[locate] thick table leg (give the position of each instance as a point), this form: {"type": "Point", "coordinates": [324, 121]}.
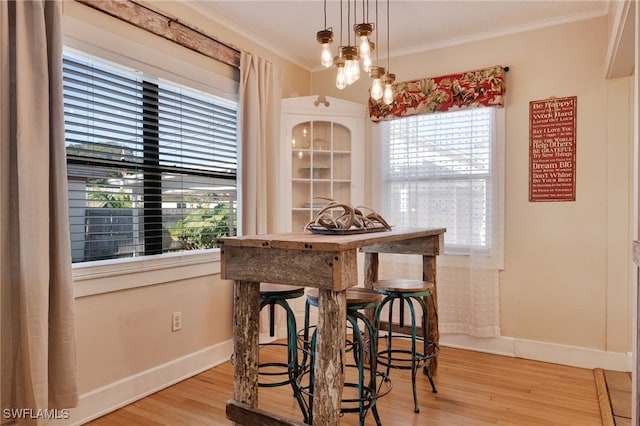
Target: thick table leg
{"type": "Point", "coordinates": [246, 309]}
{"type": "Point", "coordinates": [329, 364]}
{"type": "Point", "coordinates": [433, 334]}
{"type": "Point", "coordinates": [371, 264]}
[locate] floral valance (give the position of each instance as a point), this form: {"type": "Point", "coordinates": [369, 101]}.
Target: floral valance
{"type": "Point", "coordinates": [470, 89]}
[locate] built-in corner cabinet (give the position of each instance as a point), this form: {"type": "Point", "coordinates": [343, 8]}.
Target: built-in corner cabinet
{"type": "Point", "coordinates": [324, 156]}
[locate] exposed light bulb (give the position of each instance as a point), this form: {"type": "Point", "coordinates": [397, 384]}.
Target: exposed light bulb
{"type": "Point", "coordinates": [341, 81]}
{"type": "Point", "coordinates": [376, 89]}
{"type": "Point", "coordinates": [367, 60]}
{"type": "Point", "coordinates": [365, 49]}
{"type": "Point", "coordinates": [366, 63]}
{"type": "Point", "coordinates": [376, 73]}
{"type": "Point", "coordinates": [362, 32]}
{"type": "Point", "coordinates": [293, 141]}
{"type": "Point", "coordinates": [340, 64]}
{"type": "Point", "coordinates": [351, 63]}
{"type": "Point", "coordinates": [388, 94]}
{"type": "Point", "coordinates": [388, 88]}
{"type": "Point", "coordinates": [300, 155]}
{"type": "Point", "coordinates": [325, 37]}
{"type": "Point", "coordinates": [352, 71]}
{"type": "Point", "coordinates": [326, 59]}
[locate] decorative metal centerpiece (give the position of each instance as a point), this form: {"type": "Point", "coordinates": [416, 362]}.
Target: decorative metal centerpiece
{"type": "Point", "coordinates": [337, 218]}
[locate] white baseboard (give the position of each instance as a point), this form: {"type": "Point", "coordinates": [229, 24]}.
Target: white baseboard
{"type": "Point", "coordinates": [101, 401]}
{"type": "Point", "coordinates": [542, 351]}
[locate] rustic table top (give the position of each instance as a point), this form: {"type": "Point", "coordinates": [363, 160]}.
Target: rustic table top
{"type": "Point", "coordinates": [321, 242]}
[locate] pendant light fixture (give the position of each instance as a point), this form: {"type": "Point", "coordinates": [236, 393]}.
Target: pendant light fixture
{"type": "Point", "coordinates": [363, 31]}
{"type": "Point", "coordinates": [367, 62]}
{"type": "Point", "coordinates": [325, 38]}
{"type": "Point", "coordinates": [376, 72]}
{"type": "Point", "coordinates": [351, 64]}
{"type": "Point", "coordinates": [341, 79]}
{"type": "Point", "coordinates": [350, 53]}
{"type": "Point", "coordinates": [351, 57]}
{"type": "Point", "coordinates": [390, 78]}
{"type": "Point", "coordinates": [339, 60]}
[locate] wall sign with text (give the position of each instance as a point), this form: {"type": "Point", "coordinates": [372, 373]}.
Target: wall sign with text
{"type": "Point", "coordinates": [552, 149]}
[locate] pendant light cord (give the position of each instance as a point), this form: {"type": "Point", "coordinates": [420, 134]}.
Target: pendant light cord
{"type": "Point", "coordinates": [377, 44]}
{"type": "Point", "coordinates": [325, 14]}
{"type": "Point", "coordinates": [388, 32]}
{"type": "Point", "coordinates": [341, 25]}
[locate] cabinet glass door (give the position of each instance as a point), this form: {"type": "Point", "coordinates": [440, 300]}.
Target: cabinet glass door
{"type": "Point", "coordinates": [320, 168]}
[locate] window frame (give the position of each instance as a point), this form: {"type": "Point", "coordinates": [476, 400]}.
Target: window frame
{"type": "Point", "coordinates": [106, 106]}
{"type": "Point", "coordinates": [494, 253]}
{"type": "Point", "coordinates": [96, 35]}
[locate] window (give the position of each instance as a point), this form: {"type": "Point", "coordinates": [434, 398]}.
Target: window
{"type": "Point", "coordinates": [151, 165]}
{"type": "Point", "coordinates": [442, 170]}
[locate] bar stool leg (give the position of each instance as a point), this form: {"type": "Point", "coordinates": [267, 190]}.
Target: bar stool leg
{"type": "Point", "coordinates": [308, 345]}
{"type": "Point", "coordinates": [312, 375]}
{"type": "Point", "coordinates": [425, 341]}
{"type": "Point", "coordinates": [272, 318]}
{"type": "Point", "coordinates": [305, 337]}
{"type": "Point", "coordinates": [389, 336]}
{"type": "Point", "coordinates": [357, 350]}
{"type": "Point", "coordinates": [373, 350]}
{"type": "Point", "coordinates": [414, 364]}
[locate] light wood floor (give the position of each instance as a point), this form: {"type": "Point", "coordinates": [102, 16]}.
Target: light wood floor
{"type": "Point", "coordinates": [473, 389]}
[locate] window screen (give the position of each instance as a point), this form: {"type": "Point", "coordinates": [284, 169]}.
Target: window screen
{"type": "Point", "coordinates": [438, 173]}
{"type": "Point", "coordinates": [151, 164]}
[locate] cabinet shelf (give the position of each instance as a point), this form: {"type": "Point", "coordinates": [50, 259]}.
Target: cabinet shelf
{"type": "Point", "coordinates": [318, 151]}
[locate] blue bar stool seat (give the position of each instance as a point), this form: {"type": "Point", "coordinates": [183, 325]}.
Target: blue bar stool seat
{"type": "Point", "coordinates": [401, 291]}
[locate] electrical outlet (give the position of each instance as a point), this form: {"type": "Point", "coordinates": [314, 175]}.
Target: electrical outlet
{"type": "Point", "coordinates": [176, 321]}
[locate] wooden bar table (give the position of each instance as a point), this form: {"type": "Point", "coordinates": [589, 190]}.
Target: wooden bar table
{"type": "Point", "coordinates": [327, 262]}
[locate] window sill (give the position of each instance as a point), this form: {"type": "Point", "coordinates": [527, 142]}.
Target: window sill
{"type": "Point", "coordinates": [92, 278]}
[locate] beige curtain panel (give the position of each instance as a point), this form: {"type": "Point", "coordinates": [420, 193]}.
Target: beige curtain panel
{"type": "Point", "coordinates": [260, 98]}
{"type": "Point", "coordinates": [38, 352]}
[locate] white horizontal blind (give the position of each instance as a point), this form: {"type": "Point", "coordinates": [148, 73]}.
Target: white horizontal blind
{"type": "Point", "coordinates": [437, 172]}
{"type": "Point", "coordinates": [152, 165]}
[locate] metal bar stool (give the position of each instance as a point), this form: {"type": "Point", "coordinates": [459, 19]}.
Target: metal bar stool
{"type": "Point", "coordinates": [402, 290]}
{"type": "Point", "coordinates": [363, 351]}
{"type": "Point", "coordinates": [272, 295]}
